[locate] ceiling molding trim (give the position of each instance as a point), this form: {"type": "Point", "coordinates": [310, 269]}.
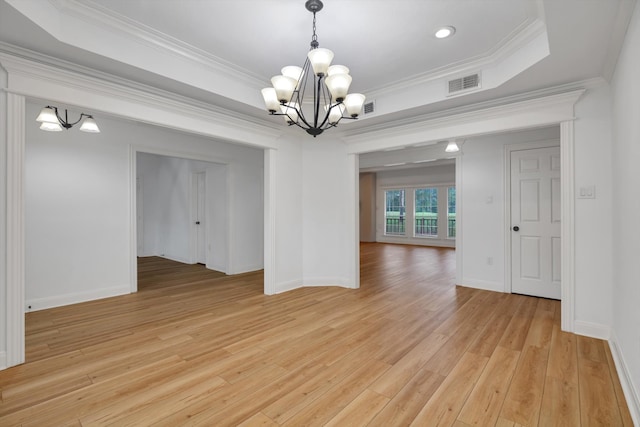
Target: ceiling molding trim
{"type": "Point", "coordinates": [94, 14]}
{"type": "Point", "coordinates": [70, 67]}
{"type": "Point", "coordinates": [583, 84]}
{"type": "Point", "coordinates": [517, 40]}
{"type": "Point", "coordinates": [510, 116]}
{"type": "Point", "coordinates": [618, 33]}
{"type": "Point", "coordinates": [42, 81]}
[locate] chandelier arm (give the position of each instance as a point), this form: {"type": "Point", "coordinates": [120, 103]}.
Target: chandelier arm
{"type": "Point", "coordinates": [65, 122]}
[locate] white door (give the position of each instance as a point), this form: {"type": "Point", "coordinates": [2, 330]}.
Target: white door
{"type": "Point", "coordinates": [201, 256]}
{"type": "Point", "coordinates": [535, 222]}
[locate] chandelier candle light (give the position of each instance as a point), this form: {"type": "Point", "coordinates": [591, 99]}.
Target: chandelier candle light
{"type": "Point", "coordinates": [52, 122]}
{"type": "Point", "coordinates": [330, 86]}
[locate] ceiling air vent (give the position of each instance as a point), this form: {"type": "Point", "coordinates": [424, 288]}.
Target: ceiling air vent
{"type": "Point", "coordinates": [369, 107]}
{"type": "Point", "coordinates": [464, 83]}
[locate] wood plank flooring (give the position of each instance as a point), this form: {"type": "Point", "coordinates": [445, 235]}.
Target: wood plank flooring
{"type": "Point", "coordinates": [195, 347]}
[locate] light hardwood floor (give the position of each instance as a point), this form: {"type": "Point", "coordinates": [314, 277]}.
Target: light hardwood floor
{"type": "Point", "coordinates": [194, 347]}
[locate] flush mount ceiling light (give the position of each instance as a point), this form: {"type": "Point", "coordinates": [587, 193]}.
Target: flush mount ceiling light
{"type": "Point", "coordinates": [52, 122]}
{"type": "Point", "coordinates": [452, 147]}
{"type": "Point", "coordinates": [444, 32]}
{"type": "Point", "coordinates": [328, 84]}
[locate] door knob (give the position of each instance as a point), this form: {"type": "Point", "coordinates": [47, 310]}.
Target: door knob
{"type": "Point", "coordinates": [197, 222]}
{"type": "Point", "coordinates": [516, 228]}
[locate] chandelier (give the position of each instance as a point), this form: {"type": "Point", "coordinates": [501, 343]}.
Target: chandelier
{"type": "Point", "coordinates": [51, 121]}
{"type": "Point", "coordinates": [328, 83]}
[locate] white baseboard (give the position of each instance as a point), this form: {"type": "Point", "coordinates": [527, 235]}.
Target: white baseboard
{"type": "Point", "coordinates": [442, 243]}
{"type": "Point", "coordinates": [3, 360]}
{"type": "Point", "coordinates": [245, 269]}
{"type": "Point", "coordinates": [482, 284]}
{"type": "Point", "coordinates": [288, 286]}
{"type": "Point", "coordinates": [630, 393]}
{"type": "Point", "coordinates": [593, 330]}
{"type": "Point", "coordinates": [328, 281]}
{"type": "Point", "coordinates": [176, 258]}
{"type": "Point", "coordinates": [36, 304]}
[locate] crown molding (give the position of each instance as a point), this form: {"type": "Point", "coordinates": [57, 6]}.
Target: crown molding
{"type": "Point", "coordinates": [554, 90]}
{"type": "Point", "coordinates": [31, 76]}
{"type": "Point", "coordinates": [93, 13]}
{"type": "Point", "coordinates": [510, 113]}
{"type": "Point", "coordinates": [528, 31]}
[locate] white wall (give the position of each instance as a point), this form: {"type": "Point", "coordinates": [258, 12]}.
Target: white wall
{"type": "Point", "coordinates": [626, 214]}
{"type": "Point", "coordinates": [413, 177]}
{"type": "Point", "coordinates": [78, 206]}
{"type": "Point", "coordinates": [481, 232]}
{"type": "Point", "coordinates": [593, 226]}
{"type": "Point", "coordinates": [3, 217]}
{"type": "Point", "coordinates": [167, 209]}
{"type": "Point", "coordinates": [327, 231]}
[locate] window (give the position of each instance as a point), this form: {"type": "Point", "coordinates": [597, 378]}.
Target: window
{"type": "Point", "coordinates": [394, 213]}
{"type": "Point", "coordinates": [426, 212]}
{"type": "Point", "coordinates": [451, 212]}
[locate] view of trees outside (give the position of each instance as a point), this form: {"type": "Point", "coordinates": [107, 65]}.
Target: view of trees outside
{"type": "Point", "coordinates": [451, 212]}
{"type": "Point", "coordinates": [426, 212]}
{"type": "Point", "coordinates": [395, 212]}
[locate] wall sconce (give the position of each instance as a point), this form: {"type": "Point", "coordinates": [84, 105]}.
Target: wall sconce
{"type": "Point", "coordinates": [52, 122]}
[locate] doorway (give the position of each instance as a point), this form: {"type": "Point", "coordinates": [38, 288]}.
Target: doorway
{"type": "Point", "coordinates": [535, 196]}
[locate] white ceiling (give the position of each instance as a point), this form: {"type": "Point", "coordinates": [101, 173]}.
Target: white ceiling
{"type": "Point", "coordinates": [223, 51]}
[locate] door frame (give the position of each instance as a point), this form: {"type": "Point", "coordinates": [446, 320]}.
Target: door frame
{"type": "Point", "coordinates": [508, 149]}
{"type": "Point", "coordinates": [195, 199]}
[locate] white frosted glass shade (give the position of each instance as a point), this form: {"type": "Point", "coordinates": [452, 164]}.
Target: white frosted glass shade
{"type": "Point", "coordinates": [320, 59]}
{"type": "Point", "coordinates": [89, 125]}
{"type": "Point", "coordinates": [291, 112]}
{"type": "Point", "coordinates": [47, 115]}
{"type": "Point", "coordinates": [294, 72]}
{"type": "Point", "coordinates": [51, 127]}
{"type": "Point", "coordinates": [452, 147]}
{"type": "Point", "coordinates": [284, 87]}
{"type": "Point", "coordinates": [270, 99]}
{"type": "Point", "coordinates": [337, 69]}
{"type": "Point", "coordinates": [338, 85]}
{"type": "Point", "coordinates": [353, 103]}
{"type": "Point", "coordinates": [335, 114]}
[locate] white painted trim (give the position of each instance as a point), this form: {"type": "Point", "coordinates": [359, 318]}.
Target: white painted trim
{"type": "Point", "coordinates": [631, 394]}
{"type": "Point", "coordinates": [3, 360]}
{"type": "Point", "coordinates": [133, 220]}
{"type": "Point", "coordinates": [15, 257]}
{"type": "Point", "coordinates": [481, 284]}
{"type": "Point", "coordinates": [287, 286]}
{"type": "Point", "coordinates": [354, 216]}
{"type": "Point", "coordinates": [590, 329]}
{"type": "Point", "coordinates": [231, 268]}
{"type": "Point", "coordinates": [506, 179]}
{"type": "Point", "coordinates": [37, 304]}
{"type": "Point", "coordinates": [417, 241]}
{"type": "Point", "coordinates": [246, 269]}
{"type": "Point", "coordinates": [549, 110]}
{"type": "Point", "coordinates": [459, 208]}
{"type": "Point", "coordinates": [567, 229]}
{"type": "Point", "coordinates": [342, 282]}
{"type": "Point", "coordinates": [270, 212]}
{"type": "Point", "coordinates": [42, 81]}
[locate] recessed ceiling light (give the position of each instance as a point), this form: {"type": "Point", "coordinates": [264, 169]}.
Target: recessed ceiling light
{"type": "Point", "coordinates": [444, 32]}
{"type": "Point", "coordinates": [394, 164]}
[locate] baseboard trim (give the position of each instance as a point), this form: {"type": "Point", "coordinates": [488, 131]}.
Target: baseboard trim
{"type": "Point", "coordinates": [245, 269]}
{"type": "Point", "coordinates": [3, 360]}
{"type": "Point", "coordinates": [482, 284]}
{"type": "Point", "coordinates": [631, 395]}
{"type": "Point", "coordinates": [288, 286]}
{"type": "Point", "coordinates": [37, 304]}
{"type": "Point", "coordinates": [328, 281]}
{"type": "Point", "coordinates": [593, 330]}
